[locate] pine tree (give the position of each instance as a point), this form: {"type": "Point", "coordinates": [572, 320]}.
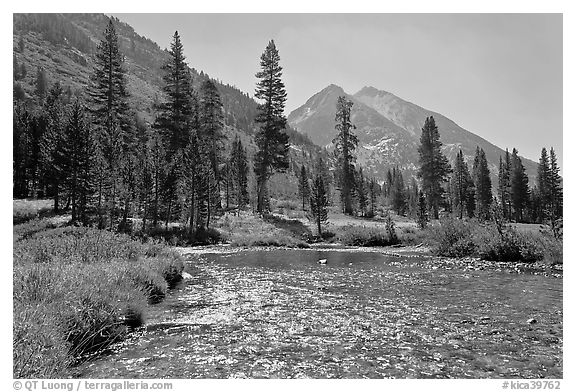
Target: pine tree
{"type": "Point", "coordinates": [240, 174]}
{"type": "Point", "coordinates": [483, 184]}
{"type": "Point", "coordinates": [556, 194]}
{"type": "Point", "coordinates": [303, 187]}
{"type": "Point", "coordinates": [321, 167]}
{"type": "Point", "coordinates": [78, 167]}
{"type": "Point", "coordinates": [373, 190]}
{"type": "Point", "coordinates": [544, 184]}
{"type": "Point", "coordinates": [413, 196]}
{"type": "Point", "coordinates": [175, 114]}
{"type": "Point", "coordinates": [361, 191]}
{"type": "Point", "coordinates": [212, 135]}
{"type": "Point", "coordinates": [271, 140]}
{"type": "Point", "coordinates": [462, 187]}
{"type": "Point", "coordinates": [422, 213]}
{"type": "Point", "coordinates": [398, 192]}
{"type": "Point", "coordinates": [519, 190]}
{"type": "Point", "coordinates": [22, 150]}
{"type": "Point", "coordinates": [178, 122]}
{"type": "Point", "coordinates": [41, 84]}
{"type": "Point", "coordinates": [53, 143]}
{"type": "Point", "coordinates": [145, 175]}
{"type": "Point", "coordinates": [157, 159]}
{"type": "Point", "coordinates": [434, 166]}
{"type": "Point", "coordinates": [345, 145]}
{"type": "Point", "coordinates": [504, 185]}
{"type": "Point", "coordinates": [110, 110]}
{"type": "Point", "coordinates": [319, 202]}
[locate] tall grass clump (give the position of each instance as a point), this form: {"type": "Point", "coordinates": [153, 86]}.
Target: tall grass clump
{"type": "Point", "coordinates": [77, 290]}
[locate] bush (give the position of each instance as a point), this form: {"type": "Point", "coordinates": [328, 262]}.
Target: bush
{"type": "Point", "coordinates": [413, 236]}
{"type": "Point", "coordinates": [452, 238]}
{"type": "Point", "coordinates": [456, 238]}
{"type": "Point", "coordinates": [180, 236]}
{"type": "Point", "coordinates": [365, 236]}
{"type": "Point", "coordinates": [511, 245]}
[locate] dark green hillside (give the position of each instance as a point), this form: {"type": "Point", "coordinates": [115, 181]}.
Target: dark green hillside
{"type": "Point", "coordinates": [63, 47]}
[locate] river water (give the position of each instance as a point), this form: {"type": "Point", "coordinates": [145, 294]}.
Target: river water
{"type": "Point", "coordinates": [281, 314]}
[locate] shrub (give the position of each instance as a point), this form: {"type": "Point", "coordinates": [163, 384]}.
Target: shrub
{"type": "Point", "coordinates": [413, 236]}
{"type": "Point", "coordinates": [510, 246]}
{"type": "Point", "coordinates": [180, 236]}
{"type": "Point", "coordinates": [365, 236]}
{"type": "Point", "coordinates": [456, 238]}
{"type": "Point", "coordinates": [452, 238]}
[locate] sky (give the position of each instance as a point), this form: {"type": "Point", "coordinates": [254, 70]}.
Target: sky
{"type": "Point", "coordinates": [496, 75]}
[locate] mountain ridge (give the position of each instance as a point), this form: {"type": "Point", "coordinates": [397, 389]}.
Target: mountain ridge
{"type": "Point", "coordinates": [392, 139]}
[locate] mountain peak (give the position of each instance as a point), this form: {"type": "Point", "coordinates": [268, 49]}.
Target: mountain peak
{"type": "Point", "coordinates": [332, 88]}
{"type": "Point", "coordinates": [371, 92]}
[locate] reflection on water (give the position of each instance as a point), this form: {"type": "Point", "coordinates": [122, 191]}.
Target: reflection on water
{"type": "Point", "coordinates": [280, 314]}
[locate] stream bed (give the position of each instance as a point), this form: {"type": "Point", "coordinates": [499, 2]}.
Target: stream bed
{"type": "Point", "coordinates": [281, 314]}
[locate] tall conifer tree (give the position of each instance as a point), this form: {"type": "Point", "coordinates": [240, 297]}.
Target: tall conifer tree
{"type": "Point", "coordinates": [271, 139]}
{"type": "Point", "coordinates": [462, 187]}
{"type": "Point", "coordinates": [303, 187]}
{"type": "Point", "coordinates": [519, 191]}
{"type": "Point", "coordinates": [434, 166]}
{"type": "Point", "coordinates": [483, 184]}
{"type": "Point", "coordinates": [345, 145]}
{"type": "Point", "coordinates": [109, 98]}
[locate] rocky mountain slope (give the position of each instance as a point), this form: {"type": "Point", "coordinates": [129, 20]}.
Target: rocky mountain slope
{"type": "Point", "coordinates": [388, 129]}
{"type": "Point", "coordinates": [63, 46]}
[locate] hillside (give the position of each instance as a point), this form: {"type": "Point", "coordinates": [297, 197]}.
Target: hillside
{"type": "Point", "coordinates": [388, 129]}
{"type": "Point", "coordinates": [63, 45]}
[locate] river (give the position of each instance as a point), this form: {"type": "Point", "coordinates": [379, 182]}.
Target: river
{"type": "Point", "coordinates": [281, 314]}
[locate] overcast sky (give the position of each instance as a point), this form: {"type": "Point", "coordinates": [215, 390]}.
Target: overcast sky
{"type": "Point", "coordinates": [497, 75]}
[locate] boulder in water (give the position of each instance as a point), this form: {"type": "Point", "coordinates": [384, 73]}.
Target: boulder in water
{"type": "Point", "coordinates": [531, 321]}
{"type": "Point", "coordinates": [322, 261]}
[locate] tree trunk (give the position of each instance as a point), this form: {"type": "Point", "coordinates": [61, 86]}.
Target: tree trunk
{"type": "Point", "coordinates": [156, 199]}
{"type": "Point", "coordinates": [261, 195]}
{"type": "Point", "coordinates": [125, 213]}
{"type": "Point", "coordinates": [168, 214]}
{"type": "Point", "coordinates": [56, 197]}
{"type": "Point", "coordinates": [99, 206]}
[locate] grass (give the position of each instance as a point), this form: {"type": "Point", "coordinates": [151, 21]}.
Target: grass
{"type": "Point", "coordinates": [26, 210]}
{"type": "Point", "coordinates": [78, 290]}
{"type": "Point", "coordinates": [248, 229]}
